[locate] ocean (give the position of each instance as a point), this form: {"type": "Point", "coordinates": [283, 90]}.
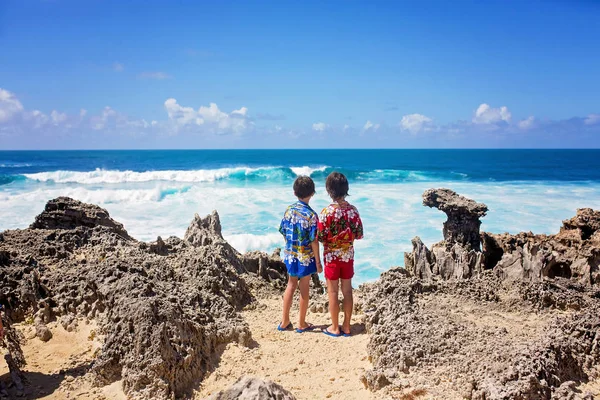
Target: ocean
{"type": "Point", "coordinates": [156, 193]}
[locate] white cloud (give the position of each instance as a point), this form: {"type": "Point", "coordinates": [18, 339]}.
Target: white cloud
{"type": "Point", "coordinates": [370, 126]}
{"type": "Point", "coordinates": [10, 106]}
{"type": "Point", "coordinates": [154, 75]}
{"type": "Point", "coordinates": [101, 121]}
{"type": "Point", "coordinates": [415, 123]}
{"type": "Point", "coordinates": [37, 118]}
{"type": "Point", "coordinates": [592, 119]}
{"type": "Point", "coordinates": [211, 117]}
{"type": "Point", "coordinates": [320, 126]}
{"type": "Point", "coordinates": [526, 124]}
{"type": "Point", "coordinates": [118, 67]}
{"type": "Point", "coordinates": [82, 112]}
{"type": "Point", "coordinates": [58, 117]}
{"type": "Point", "coordinates": [488, 115]}
{"type": "Point", "coordinates": [346, 127]}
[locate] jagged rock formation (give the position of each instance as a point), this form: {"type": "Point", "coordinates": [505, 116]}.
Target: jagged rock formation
{"type": "Point", "coordinates": [481, 338]}
{"type": "Point", "coordinates": [164, 307]}
{"type": "Point", "coordinates": [66, 213]}
{"type": "Point", "coordinates": [482, 310]}
{"type": "Point", "coordinates": [459, 254]}
{"type": "Point", "coordinates": [248, 388]}
{"type": "Point", "coordinates": [572, 253]}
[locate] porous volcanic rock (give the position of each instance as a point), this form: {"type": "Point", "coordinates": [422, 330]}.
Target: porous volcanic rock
{"type": "Point", "coordinates": [480, 338]}
{"type": "Point", "coordinates": [164, 308]}
{"type": "Point", "coordinates": [572, 253]}
{"type": "Point", "coordinates": [249, 388]}
{"type": "Point", "coordinates": [459, 254]}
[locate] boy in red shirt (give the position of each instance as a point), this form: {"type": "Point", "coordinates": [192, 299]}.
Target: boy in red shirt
{"type": "Point", "coordinates": [339, 225]}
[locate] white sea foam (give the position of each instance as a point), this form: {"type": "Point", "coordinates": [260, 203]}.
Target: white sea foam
{"type": "Point", "coordinates": [100, 176]}
{"type": "Point", "coordinates": [250, 215]}
{"type": "Point", "coordinates": [244, 242]}
{"type": "Point", "coordinates": [308, 171]}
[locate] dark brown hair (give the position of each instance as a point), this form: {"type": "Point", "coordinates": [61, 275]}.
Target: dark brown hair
{"type": "Point", "coordinates": [336, 185]}
{"type": "Point", "coordinates": [304, 186]}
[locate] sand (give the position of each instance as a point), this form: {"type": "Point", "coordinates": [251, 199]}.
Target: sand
{"type": "Point", "coordinates": [311, 365]}
{"type": "Point", "coordinates": [58, 369]}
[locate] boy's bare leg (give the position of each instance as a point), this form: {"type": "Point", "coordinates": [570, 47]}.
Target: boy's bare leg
{"type": "Point", "coordinates": [288, 297]}
{"type": "Point", "coordinates": [334, 306]}
{"type": "Point", "coordinates": [304, 289]}
{"type": "Point", "coordinates": [348, 304]}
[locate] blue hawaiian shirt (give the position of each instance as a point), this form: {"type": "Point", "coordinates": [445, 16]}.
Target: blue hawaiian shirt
{"type": "Point", "coordinates": [299, 227]}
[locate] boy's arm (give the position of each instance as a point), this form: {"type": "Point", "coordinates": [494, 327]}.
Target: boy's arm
{"type": "Point", "coordinates": [358, 234]}
{"type": "Point", "coordinates": [315, 248]}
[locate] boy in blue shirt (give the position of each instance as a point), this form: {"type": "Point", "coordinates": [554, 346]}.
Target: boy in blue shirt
{"type": "Point", "coordinates": [301, 255]}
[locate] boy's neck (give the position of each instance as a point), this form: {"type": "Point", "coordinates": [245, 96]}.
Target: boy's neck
{"type": "Point", "coordinates": [305, 200]}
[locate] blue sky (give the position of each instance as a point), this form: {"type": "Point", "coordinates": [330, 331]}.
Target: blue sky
{"type": "Point", "coordinates": [248, 74]}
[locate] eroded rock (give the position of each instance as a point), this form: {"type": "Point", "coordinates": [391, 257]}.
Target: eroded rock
{"type": "Point", "coordinates": [249, 388]}
{"type": "Point", "coordinates": [165, 308]}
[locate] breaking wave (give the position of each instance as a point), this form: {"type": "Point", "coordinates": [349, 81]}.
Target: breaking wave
{"type": "Point", "coordinates": [276, 174]}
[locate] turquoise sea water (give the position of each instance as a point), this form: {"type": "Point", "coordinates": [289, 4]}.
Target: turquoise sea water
{"type": "Point", "coordinates": [157, 192]}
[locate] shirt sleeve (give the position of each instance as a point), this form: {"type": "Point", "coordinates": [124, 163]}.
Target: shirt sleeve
{"type": "Point", "coordinates": [357, 227]}
{"type": "Point", "coordinates": [323, 229]}
{"type": "Point", "coordinates": [313, 227]}
{"type": "Point", "coordinates": [283, 224]}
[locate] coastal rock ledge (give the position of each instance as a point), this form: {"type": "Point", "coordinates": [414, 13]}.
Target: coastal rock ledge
{"type": "Point", "coordinates": [573, 253]}
{"type": "Point", "coordinates": [489, 316]}
{"type": "Point", "coordinates": [164, 308]}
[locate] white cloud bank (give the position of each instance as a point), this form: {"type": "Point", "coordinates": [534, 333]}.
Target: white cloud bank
{"type": "Point", "coordinates": [370, 126]}
{"type": "Point", "coordinates": [320, 127]}
{"type": "Point", "coordinates": [489, 115]}
{"type": "Point", "coordinates": [415, 123]}
{"type": "Point", "coordinates": [10, 106]}
{"type": "Point", "coordinates": [211, 118]}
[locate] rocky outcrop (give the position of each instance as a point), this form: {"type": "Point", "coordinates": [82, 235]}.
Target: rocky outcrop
{"type": "Point", "coordinates": [164, 308]}
{"type": "Point", "coordinates": [463, 222]}
{"type": "Point", "coordinates": [481, 338]}
{"type": "Point", "coordinates": [573, 253]}
{"type": "Point", "coordinates": [248, 388]}
{"type": "Point", "coordinates": [66, 213]}
{"type": "Point", "coordinates": [459, 254]}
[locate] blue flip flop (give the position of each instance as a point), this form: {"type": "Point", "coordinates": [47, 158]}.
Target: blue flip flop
{"type": "Point", "coordinates": [326, 331]}
{"type": "Point", "coordinates": [287, 328]}
{"type": "Point", "coordinates": [344, 334]}
{"type": "Point", "coordinates": [309, 328]}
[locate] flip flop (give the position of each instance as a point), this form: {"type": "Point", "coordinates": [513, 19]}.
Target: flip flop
{"type": "Point", "coordinates": [344, 334]}
{"type": "Point", "coordinates": [287, 328]}
{"type": "Point", "coordinates": [309, 328]}
{"type": "Point", "coordinates": [326, 331]}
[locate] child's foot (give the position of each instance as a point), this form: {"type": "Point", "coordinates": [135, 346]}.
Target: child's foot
{"type": "Point", "coordinates": [287, 327]}
{"type": "Point", "coordinates": [306, 328]}
{"type": "Point", "coordinates": [345, 331]}
{"type": "Point", "coordinates": [330, 331]}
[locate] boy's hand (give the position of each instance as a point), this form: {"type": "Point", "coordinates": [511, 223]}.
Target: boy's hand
{"type": "Point", "coordinates": [319, 267]}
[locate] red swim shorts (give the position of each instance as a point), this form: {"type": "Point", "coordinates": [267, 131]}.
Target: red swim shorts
{"type": "Point", "coordinates": [339, 270]}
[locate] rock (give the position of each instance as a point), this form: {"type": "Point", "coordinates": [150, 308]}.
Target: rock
{"type": "Point", "coordinates": [66, 213]}
{"type": "Point", "coordinates": [463, 214]}
{"type": "Point", "coordinates": [421, 329]}
{"type": "Point", "coordinates": [573, 253]}
{"type": "Point", "coordinates": [459, 255]}
{"type": "Point", "coordinates": [164, 310]}
{"type": "Point", "coordinates": [249, 388]}
{"type": "Point", "coordinates": [42, 332]}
